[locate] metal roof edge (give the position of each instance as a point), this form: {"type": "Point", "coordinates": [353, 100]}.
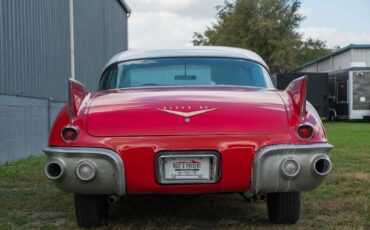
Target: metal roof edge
{"type": "Point", "coordinates": [125, 6]}
{"type": "Point", "coordinates": [349, 69]}
{"type": "Point", "coordinates": [342, 50]}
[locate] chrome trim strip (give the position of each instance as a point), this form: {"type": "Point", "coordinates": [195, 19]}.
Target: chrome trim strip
{"type": "Point", "coordinates": [215, 166]}
{"type": "Point", "coordinates": [267, 162]}
{"type": "Point", "coordinates": [70, 102]}
{"type": "Point", "coordinates": [304, 106]}
{"type": "Point", "coordinates": [105, 153]}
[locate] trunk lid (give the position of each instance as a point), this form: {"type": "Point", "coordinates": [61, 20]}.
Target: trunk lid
{"type": "Point", "coordinates": [186, 111]}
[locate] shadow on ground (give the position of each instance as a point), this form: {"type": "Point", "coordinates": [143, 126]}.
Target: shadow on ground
{"type": "Point", "coordinates": [188, 211]}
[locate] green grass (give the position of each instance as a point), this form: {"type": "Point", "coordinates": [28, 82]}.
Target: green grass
{"type": "Point", "coordinates": [29, 201]}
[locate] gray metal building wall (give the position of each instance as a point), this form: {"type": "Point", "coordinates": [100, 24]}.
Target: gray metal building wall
{"type": "Point", "coordinates": [344, 60]}
{"type": "Point", "coordinates": [97, 37]}
{"type": "Point", "coordinates": [24, 125]}
{"type": "Point", "coordinates": [361, 55]}
{"type": "Point", "coordinates": [35, 63]}
{"type": "Point", "coordinates": [34, 48]}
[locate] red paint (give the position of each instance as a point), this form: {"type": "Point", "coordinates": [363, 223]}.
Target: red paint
{"type": "Point", "coordinates": [297, 91]}
{"type": "Point", "coordinates": [136, 112]}
{"type": "Point", "coordinates": [129, 123]}
{"type": "Point", "coordinates": [76, 94]}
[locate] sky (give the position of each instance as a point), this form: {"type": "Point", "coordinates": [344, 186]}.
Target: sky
{"type": "Point", "coordinates": [169, 23]}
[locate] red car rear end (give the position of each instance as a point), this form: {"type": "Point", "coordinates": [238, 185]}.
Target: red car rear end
{"type": "Point", "coordinates": [187, 121]}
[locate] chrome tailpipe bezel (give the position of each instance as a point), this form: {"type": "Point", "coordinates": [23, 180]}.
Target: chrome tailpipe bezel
{"type": "Point", "coordinates": [322, 165]}
{"type": "Point", "coordinates": [55, 169]}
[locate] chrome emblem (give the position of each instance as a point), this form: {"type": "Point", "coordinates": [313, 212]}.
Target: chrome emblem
{"type": "Point", "coordinates": [187, 115]}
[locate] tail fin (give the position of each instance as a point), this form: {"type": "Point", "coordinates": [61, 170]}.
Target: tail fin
{"type": "Point", "coordinates": [297, 91]}
{"type": "Point", "coordinates": [76, 93]}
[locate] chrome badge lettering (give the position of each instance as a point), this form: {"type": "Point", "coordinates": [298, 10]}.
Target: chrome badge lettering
{"type": "Point", "coordinates": [186, 114]}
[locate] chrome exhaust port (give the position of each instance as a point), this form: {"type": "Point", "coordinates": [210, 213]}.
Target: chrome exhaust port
{"type": "Point", "coordinates": [54, 170]}
{"type": "Point", "coordinates": [322, 166]}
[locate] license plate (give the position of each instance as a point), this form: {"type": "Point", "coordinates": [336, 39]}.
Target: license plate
{"type": "Point", "coordinates": [195, 167]}
{"type": "Point", "coordinates": [187, 168]}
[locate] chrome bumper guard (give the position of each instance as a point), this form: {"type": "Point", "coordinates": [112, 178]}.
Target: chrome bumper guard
{"type": "Point", "coordinates": [290, 168]}
{"type": "Point", "coordinates": [86, 170]}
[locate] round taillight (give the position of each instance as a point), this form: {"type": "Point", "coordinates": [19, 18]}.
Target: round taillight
{"type": "Point", "coordinates": [305, 131]}
{"type": "Point", "coordinates": [69, 134]}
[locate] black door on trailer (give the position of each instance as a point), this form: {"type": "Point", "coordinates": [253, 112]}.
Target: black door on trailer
{"type": "Point", "coordinates": [317, 89]}
{"type": "Point", "coordinates": [342, 98]}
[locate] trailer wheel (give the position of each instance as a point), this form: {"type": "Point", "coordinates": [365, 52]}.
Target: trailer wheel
{"type": "Point", "coordinates": [91, 210]}
{"type": "Point", "coordinates": [284, 207]}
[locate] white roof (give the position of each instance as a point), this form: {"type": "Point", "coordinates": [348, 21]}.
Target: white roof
{"type": "Point", "coordinates": [196, 51]}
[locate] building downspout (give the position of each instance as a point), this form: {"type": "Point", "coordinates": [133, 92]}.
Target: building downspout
{"type": "Point", "coordinates": [72, 39]}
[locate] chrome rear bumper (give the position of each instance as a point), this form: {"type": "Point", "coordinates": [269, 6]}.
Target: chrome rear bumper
{"type": "Point", "coordinates": [108, 169]}
{"type": "Point", "coordinates": [269, 175]}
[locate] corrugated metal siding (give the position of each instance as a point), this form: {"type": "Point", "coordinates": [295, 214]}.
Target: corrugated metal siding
{"type": "Point", "coordinates": [100, 32]}
{"type": "Point", "coordinates": [35, 63]}
{"type": "Point", "coordinates": [2, 50]}
{"type": "Point", "coordinates": [361, 55]}
{"type": "Point", "coordinates": [312, 68]}
{"type": "Point", "coordinates": [35, 45]}
{"type": "Point", "coordinates": [342, 61]}
{"type": "Point", "coordinates": [337, 62]}
{"type": "Point", "coordinates": [35, 59]}
{"type": "Point", "coordinates": [325, 65]}
{"type": "Point", "coordinates": [24, 123]}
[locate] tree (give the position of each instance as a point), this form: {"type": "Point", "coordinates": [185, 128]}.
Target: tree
{"type": "Point", "coordinates": [267, 27]}
{"type": "Point", "coordinates": [312, 49]}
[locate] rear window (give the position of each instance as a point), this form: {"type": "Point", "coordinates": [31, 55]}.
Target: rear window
{"type": "Point", "coordinates": [185, 72]}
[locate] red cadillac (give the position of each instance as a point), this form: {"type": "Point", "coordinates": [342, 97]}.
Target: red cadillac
{"type": "Point", "coordinates": [187, 121]}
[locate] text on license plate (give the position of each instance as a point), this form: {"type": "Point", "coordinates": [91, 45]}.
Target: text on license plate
{"type": "Point", "coordinates": [187, 168]}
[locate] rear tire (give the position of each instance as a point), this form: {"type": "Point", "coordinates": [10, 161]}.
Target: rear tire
{"type": "Point", "coordinates": [284, 208]}
{"type": "Point", "coordinates": [91, 210]}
